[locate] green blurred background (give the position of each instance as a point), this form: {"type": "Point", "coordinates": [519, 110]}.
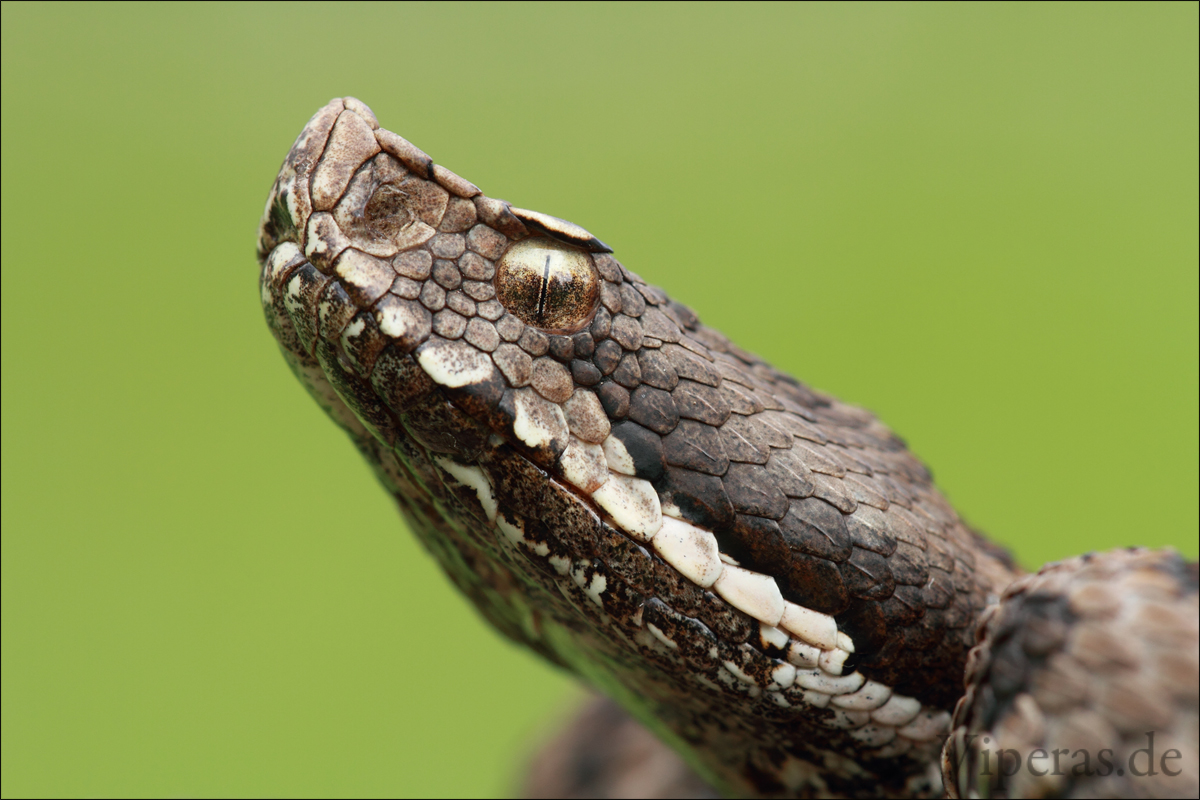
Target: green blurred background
{"type": "Point", "coordinates": [979, 221]}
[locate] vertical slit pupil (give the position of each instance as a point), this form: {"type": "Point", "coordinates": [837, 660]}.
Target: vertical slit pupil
{"type": "Point", "coordinates": [544, 290]}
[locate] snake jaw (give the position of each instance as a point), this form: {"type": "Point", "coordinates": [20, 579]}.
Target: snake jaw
{"type": "Point", "coordinates": [761, 573]}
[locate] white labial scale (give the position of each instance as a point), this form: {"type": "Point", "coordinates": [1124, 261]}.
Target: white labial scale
{"type": "Point", "coordinates": [455, 364]}
{"type": "Point", "coordinates": [364, 272]}
{"type": "Point", "coordinates": [814, 698]}
{"type": "Point", "coordinates": [804, 656]}
{"type": "Point", "coordinates": [736, 671]}
{"type": "Point", "coordinates": [927, 725]}
{"type": "Point", "coordinates": [514, 531]}
{"type": "Point", "coordinates": [897, 711]}
{"type": "Point", "coordinates": [819, 681]}
{"type": "Point", "coordinates": [633, 505]}
{"type": "Point", "coordinates": [538, 422]}
{"type": "Point", "coordinates": [690, 550]}
{"type": "Point", "coordinates": [844, 642]}
{"type": "Point", "coordinates": [293, 202]}
{"type": "Point", "coordinates": [400, 321]}
{"type": "Point", "coordinates": [474, 478]}
{"type": "Point", "coordinates": [831, 661]}
{"type": "Point", "coordinates": [782, 676]}
{"type": "Point", "coordinates": [354, 328]}
{"type": "Point", "coordinates": [757, 595]}
{"type": "Point", "coordinates": [773, 637]}
{"type": "Point", "coordinates": [662, 637]}
{"type": "Point", "coordinates": [593, 587]}
{"type": "Point", "coordinates": [618, 457]}
{"type": "Point", "coordinates": [870, 696]}
{"type": "Point", "coordinates": [583, 465]}
{"type": "Point", "coordinates": [280, 257]}
{"type": "Point", "coordinates": [811, 626]}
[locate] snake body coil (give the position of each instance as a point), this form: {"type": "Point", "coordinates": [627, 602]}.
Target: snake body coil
{"type": "Point", "coordinates": [763, 576]}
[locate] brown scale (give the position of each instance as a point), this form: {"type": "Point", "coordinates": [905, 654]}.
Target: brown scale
{"type": "Point", "coordinates": [385, 258]}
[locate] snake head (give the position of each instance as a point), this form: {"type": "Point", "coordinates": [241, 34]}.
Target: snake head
{"type": "Point", "coordinates": [611, 482]}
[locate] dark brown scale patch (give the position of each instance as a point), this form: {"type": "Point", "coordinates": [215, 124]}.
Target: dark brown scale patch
{"type": "Point", "coordinates": [517, 482]}
{"type": "Point", "coordinates": [585, 373]}
{"type": "Point", "coordinates": [614, 398]}
{"type": "Point", "coordinates": [938, 592]}
{"type": "Point", "coordinates": [301, 307]}
{"type": "Point", "coordinates": [625, 559]}
{"type": "Point", "coordinates": [653, 408]}
{"type": "Point", "coordinates": [632, 302]}
{"type": "Point", "coordinates": [601, 325]}
{"type": "Point", "coordinates": [444, 429]}
{"type": "Point", "coordinates": [812, 582]}
{"type": "Point", "coordinates": [562, 348]}
{"type": "Point", "coordinates": [867, 576]}
{"type": "Point", "coordinates": [365, 346]}
{"type": "Point", "coordinates": [814, 527]}
{"type": "Point", "coordinates": [657, 370]}
{"type": "Point", "coordinates": [657, 324]}
{"type": "Point", "coordinates": [356, 393]}
{"type": "Point", "coordinates": [645, 448]}
{"type": "Point", "coordinates": [482, 399]}
{"type": "Point", "coordinates": [583, 345]}
{"type": "Point", "coordinates": [701, 499]}
{"type": "Point", "coordinates": [753, 491]}
{"type": "Point", "coordinates": [695, 446]}
{"type": "Point", "coordinates": [607, 356]}
{"type": "Point", "coordinates": [562, 512]}
{"type": "Point", "coordinates": [791, 477]}
{"type": "Point", "coordinates": [870, 537]}
{"type": "Point", "coordinates": [904, 607]}
{"type": "Point", "coordinates": [693, 638]}
{"type": "Point", "coordinates": [730, 625]}
{"type": "Point", "coordinates": [335, 309]}
{"type": "Point", "coordinates": [399, 380]}
{"type": "Point", "coordinates": [744, 440]}
{"type": "Point", "coordinates": [755, 543]}
{"type": "Point", "coordinates": [628, 373]}
{"type": "Point", "coordinates": [700, 402]}
{"type": "Point", "coordinates": [689, 365]}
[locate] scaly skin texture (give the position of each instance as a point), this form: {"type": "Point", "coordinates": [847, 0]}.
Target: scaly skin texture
{"type": "Point", "coordinates": [760, 574]}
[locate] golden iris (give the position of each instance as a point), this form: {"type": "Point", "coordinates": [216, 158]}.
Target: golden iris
{"type": "Point", "coordinates": [548, 285]}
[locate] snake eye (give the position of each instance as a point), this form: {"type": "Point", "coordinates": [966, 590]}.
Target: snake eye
{"type": "Point", "coordinates": [548, 285]}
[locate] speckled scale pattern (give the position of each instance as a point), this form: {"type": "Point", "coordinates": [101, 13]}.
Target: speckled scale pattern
{"type": "Point", "coordinates": [1087, 655]}
{"type": "Point", "coordinates": [759, 571]}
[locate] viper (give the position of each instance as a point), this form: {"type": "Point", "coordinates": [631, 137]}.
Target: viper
{"type": "Point", "coordinates": [759, 575]}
